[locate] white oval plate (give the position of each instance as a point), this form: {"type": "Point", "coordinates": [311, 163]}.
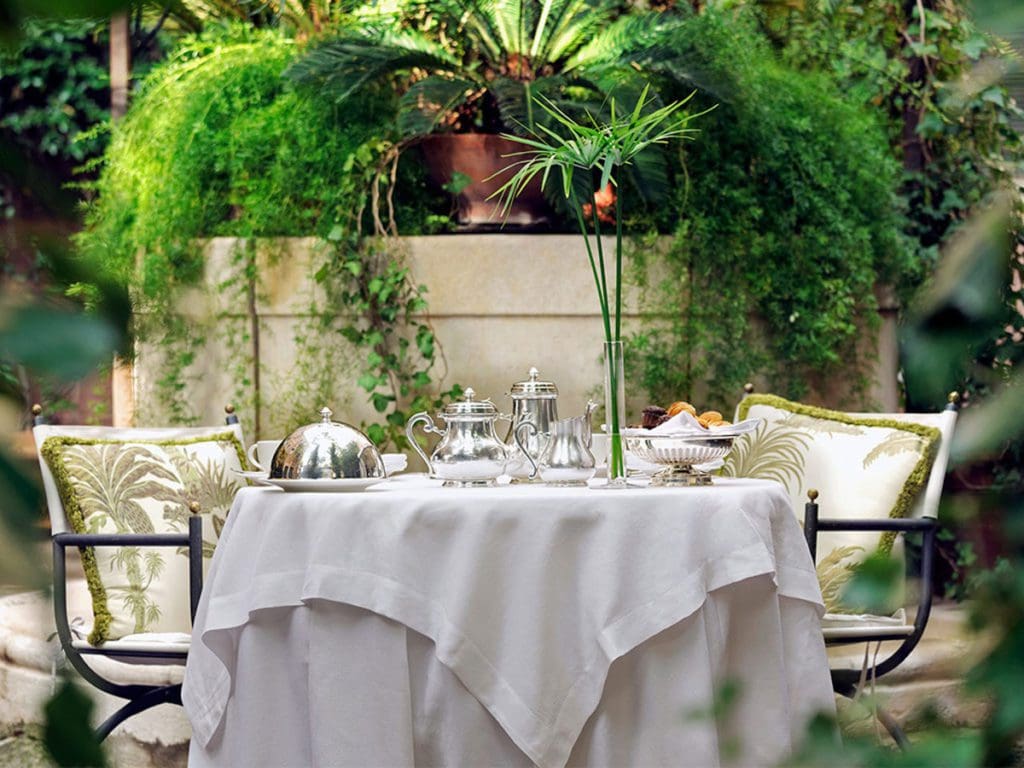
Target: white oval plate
{"type": "Point", "coordinates": [345, 485]}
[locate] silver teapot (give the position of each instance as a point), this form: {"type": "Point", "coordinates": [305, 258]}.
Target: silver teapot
{"type": "Point", "coordinates": [567, 460]}
{"type": "Point", "coordinates": [536, 402]}
{"type": "Point", "coordinates": [470, 453]}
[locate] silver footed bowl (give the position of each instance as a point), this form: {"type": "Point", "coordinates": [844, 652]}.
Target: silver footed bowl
{"type": "Point", "coordinates": [327, 450]}
{"type": "Point", "coordinates": [679, 455]}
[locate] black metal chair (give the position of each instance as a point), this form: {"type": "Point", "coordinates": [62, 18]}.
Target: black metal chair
{"type": "Point", "coordinates": [140, 697]}
{"type": "Point", "coordinates": [922, 522]}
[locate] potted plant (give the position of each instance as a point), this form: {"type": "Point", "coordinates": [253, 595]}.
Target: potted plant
{"type": "Point", "coordinates": [469, 71]}
{"type": "Point", "coordinates": [583, 158]}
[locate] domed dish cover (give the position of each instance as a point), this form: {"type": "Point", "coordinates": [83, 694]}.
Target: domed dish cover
{"type": "Point", "coordinates": [326, 450]}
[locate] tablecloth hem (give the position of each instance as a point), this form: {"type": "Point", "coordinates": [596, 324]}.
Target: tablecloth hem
{"type": "Point", "coordinates": [547, 742]}
{"type": "Point", "coordinates": [641, 623]}
{"type": "Point", "coordinates": [205, 703]}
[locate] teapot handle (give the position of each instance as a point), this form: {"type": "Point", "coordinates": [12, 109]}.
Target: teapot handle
{"type": "Point", "coordinates": [428, 426]}
{"type": "Point", "coordinates": [532, 428]}
{"type": "Point", "coordinates": [587, 427]}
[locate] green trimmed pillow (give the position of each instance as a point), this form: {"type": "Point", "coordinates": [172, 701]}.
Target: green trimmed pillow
{"type": "Point", "coordinates": [863, 467]}
{"type": "Point", "coordinates": [143, 486]}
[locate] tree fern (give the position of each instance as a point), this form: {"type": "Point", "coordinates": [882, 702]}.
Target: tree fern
{"type": "Point", "coordinates": [431, 101]}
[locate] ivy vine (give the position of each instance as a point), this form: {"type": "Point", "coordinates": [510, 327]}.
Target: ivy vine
{"type": "Point", "coordinates": [217, 144]}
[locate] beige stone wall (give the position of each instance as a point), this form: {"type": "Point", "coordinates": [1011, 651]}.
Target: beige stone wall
{"type": "Point", "coordinates": [498, 303]}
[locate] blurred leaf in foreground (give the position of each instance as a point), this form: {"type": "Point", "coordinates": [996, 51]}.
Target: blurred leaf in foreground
{"type": "Point", "coordinates": [56, 341]}
{"type": "Point", "coordinates": [19, 553]}
{"type": "Point", "coordinates": [875, 586]}
{"type": "Point", "coordinates": [961, 307]}
{"type": "Point", "coordinates": [68, 736]}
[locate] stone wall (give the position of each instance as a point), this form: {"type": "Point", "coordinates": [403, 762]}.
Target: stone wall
{"type": "Point", "coordinates": [499, 304]}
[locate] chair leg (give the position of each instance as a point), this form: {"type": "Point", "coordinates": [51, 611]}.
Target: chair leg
{"type": "Point", "coordinates": [887, 720]}
{"type": "Point", "coordinates": [169, 694]}
{"type": "Point", "coordinates": [893, 728]}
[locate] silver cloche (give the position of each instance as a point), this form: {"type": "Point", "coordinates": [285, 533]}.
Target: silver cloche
{"type": "Point", "coordinates": [326, 450]}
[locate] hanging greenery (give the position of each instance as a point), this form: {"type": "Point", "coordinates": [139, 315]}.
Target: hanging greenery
{"type": "Point", "coordinates": [787, 221]}
{"type": "Point", "coordinates": [217, 144]}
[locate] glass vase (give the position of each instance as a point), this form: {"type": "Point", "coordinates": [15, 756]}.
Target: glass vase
{"type": "Point", "coordinates": [615, 412]}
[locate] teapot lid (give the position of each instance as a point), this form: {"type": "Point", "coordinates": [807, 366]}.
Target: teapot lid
{"type": "Point", "coordinates": [469, 406]}
{"type": "Point", "coordinates": [532, 388]}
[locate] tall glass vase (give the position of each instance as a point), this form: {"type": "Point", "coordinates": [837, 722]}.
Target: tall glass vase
{"type": "Point", "coordinates": [615, 412]}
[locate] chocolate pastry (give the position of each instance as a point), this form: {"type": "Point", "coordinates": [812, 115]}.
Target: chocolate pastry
{"type": "Point", "coordinates": [653, 416]}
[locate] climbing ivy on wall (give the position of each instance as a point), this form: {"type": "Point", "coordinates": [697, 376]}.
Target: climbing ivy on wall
{"type": "Point", "coordinates": [216, 143]}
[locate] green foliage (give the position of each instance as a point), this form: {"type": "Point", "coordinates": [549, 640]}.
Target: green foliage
{"type": "Point", "coordinates": [464, 66]}
{"type": "Point", "coordinates": [68, 736]}
{"type": "Point", "coordinates": [53, 86]}
{"type": "Point", "coordinates": [948, 121]}
{"type": "Point", "coordinates": [787, 220]}
{"type": "Point", "coordinates": [216, 143]}
{"type": "Point", "coordinates": [384, 319]}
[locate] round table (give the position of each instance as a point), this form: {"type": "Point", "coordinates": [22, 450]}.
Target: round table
{"type": "Point", "coordinates": [518, 625]}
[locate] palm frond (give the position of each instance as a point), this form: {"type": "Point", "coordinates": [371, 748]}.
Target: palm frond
{"type": "Point", "coordinates": [472, 20]}
{"type": "Point", "coordinates": [429, 101]}
{"type": "Point", "coordinates": [579, 22]}
{"type": "Point", "coordinates": [618, 40]}
{"type": "Point", "coordinates": [649, 174]}
{"type": "Point", "coordinates": [348, 64]}
{"type": "Point", "coordinates": [770, 453]}
{"type": "Point", "coordinates": [834, 572]}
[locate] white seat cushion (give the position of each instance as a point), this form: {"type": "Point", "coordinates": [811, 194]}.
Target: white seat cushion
{"type": "Point", "coordinates": [171, 651]}
{"type": "Point", "coordinates": [845, 626]}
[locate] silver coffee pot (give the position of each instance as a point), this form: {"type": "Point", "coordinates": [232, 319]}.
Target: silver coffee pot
{"type": "Point", "coordinates": [535, 402]}
{"type": "Point", "coordinates": [470, 453]}
{"type": "Point", "coordinates": [567, 459]}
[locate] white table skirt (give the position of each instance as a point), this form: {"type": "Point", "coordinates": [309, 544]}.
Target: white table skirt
{"type": "Point", "coordinates": [422, 626]}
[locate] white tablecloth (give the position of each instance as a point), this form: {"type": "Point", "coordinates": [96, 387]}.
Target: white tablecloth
{"type": "Point", "coordinates": [414, 625]}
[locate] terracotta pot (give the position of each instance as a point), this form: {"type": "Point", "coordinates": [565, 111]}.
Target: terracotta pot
{"type": "Point", "coordinates": [479, 156]}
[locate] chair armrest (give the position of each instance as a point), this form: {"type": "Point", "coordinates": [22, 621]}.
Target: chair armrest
{"type": "Point", "coordinates": [193, 540]}
{"type": "Point", "coordinates": [890, 524]}
{"type": "Point", "coordinates": [121, 539]}
{"type": "Point", "coordinates": [847, 679]}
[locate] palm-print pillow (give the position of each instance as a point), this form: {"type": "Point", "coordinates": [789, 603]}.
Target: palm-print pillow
{"type": "Point", "coordinates": [863, 468]}
{"type": "Point", "coordinates": [111, 486]}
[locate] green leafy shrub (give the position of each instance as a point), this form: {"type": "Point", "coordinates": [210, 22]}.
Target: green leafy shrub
{"type": "Point", "coordinates": [216, 143]}
{"type": "Point", "coordinates": [53, 86]}
{"type": "Point", "coordinates": [788, 220]}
